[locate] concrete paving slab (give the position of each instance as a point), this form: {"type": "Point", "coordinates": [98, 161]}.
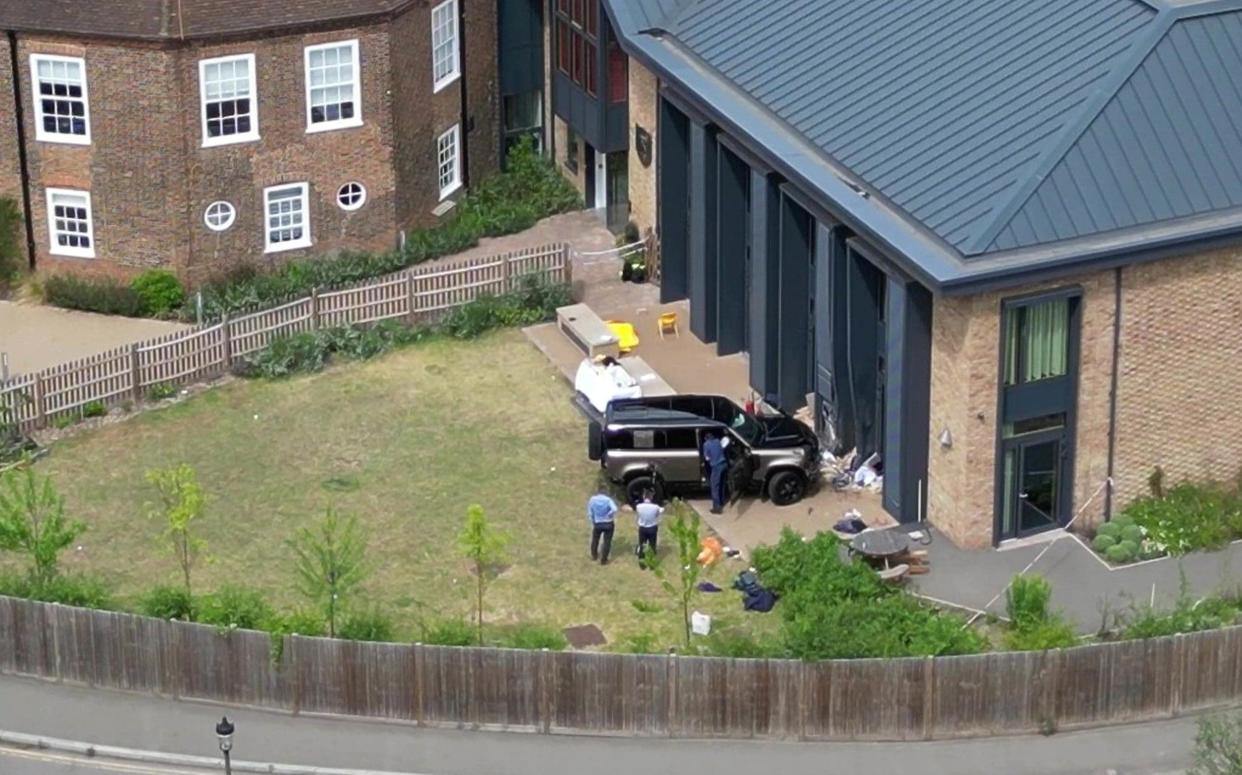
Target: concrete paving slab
{"type": "Point", "coordinates": [36, 337]}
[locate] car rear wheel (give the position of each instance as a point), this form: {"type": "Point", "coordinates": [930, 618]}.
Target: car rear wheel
{"type": "Point", "coordinates": [595, 441]}
{"type": "Point", "coordinates": [786, 487]}
{"type": "Point", "coordinates": [635, 488]}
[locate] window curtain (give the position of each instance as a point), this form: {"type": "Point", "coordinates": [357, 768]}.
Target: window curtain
{"type": "Point", "coordinates": [1046, 338]}
{"type": "Point", "coordinates": [1012, 317]}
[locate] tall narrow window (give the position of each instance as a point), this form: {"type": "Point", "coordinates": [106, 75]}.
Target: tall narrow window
{"type": "Point", "coordinates": [618, 74]}
{"type": "Point", "coordinates": [227, 89]}
{"type": "Point", "coordinates": [1036, 341]}
{"type": "Point", "coordinates": [577, 43]}
{"type": "Point", "coordinates": [333, 87]}
{"type": "Point", "coordinates": [449, 161]}
{"type": "Point", "coordinates": [287, 223]}
{"type": "Point", "coordinates": [62, 112]}
{"type": "Point", "coordinates": [445, 59]}
{"type": "Point", "coordinates": [69, 223]}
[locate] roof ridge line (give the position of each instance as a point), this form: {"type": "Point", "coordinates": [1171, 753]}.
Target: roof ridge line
{"type": "Point", "coordinates": [1067, 139]}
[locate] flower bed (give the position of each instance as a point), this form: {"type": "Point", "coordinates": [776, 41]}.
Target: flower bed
{"type": "Point", "coordinates": [1186, 518]}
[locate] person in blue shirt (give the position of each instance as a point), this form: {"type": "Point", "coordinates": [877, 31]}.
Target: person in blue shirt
{"type": "Point", "coordinates": [602, 514]}
{"type": "Point", "coordinates": [717, 466]}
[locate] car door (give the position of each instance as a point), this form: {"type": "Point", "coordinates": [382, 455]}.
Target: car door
{"type": "Point", "coordinates": [742, 466]}
{"type": "Point", "coordinates": [679, 456]}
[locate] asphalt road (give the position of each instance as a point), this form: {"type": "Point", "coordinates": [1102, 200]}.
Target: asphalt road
{"type": "Point", "coordinates": [133, 721]}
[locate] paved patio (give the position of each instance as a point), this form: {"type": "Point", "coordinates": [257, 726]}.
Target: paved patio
{"type": "Point", "coordinates": [35, 336]}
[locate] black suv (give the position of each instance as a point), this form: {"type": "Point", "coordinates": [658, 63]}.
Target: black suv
{"type": "Point", "coordinates": [657, 443]}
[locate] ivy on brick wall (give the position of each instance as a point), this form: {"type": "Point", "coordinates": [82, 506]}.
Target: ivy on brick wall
{"type": "Point", "coordinates": [10, 248]}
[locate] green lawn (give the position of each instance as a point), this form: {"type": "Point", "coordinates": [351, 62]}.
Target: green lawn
{"type": "Point", "coordinates": [404, 442]}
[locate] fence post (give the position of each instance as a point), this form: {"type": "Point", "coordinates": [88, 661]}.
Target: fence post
{"type": "Point", "coordinates": [314, 300]}
{"type": "Point", "coordinates": [506, 272]}
{"type": "Point", "coordinates": [420, 677]}
{"type": "Point", "coordinates": [1179, 671]}
{"type": "Point", "coordinates": [803, 682]}
{"type": "Point", "coordinates": [40, 402]}
{"type": "Point", "coordinates": [135, 372]}
{"type": "Point", "coordinates": [670, 674]}
{"type": "Point", "coordinates": [1052, 685]}
{"type": "Point", "coordinates": [226, 341]}
{"type": "Point", "coordinates": [567, 264]}
{"type": "Point", "coordinates": [295, 671]}
{"type": "Point", "coordinates": [544, 677]}
{"type": "Point", "coordinates": [929, 697]}
{"type": "Point", "coordinates": [411, 298]}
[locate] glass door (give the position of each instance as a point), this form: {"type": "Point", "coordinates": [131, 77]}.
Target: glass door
{"type": "Point", "coordinates": [1032, 479]}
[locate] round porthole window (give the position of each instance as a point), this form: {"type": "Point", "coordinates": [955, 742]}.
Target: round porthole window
{"type": "Point", "coordinates": [351, 196]}
{"type": "Point", "coordinates": [219, 216]}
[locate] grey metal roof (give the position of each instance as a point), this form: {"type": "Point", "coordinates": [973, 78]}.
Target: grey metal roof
{"type": "Point", "coordinates": [1166, 146]}
{"type": "Point", "coordinates": [998, 138]}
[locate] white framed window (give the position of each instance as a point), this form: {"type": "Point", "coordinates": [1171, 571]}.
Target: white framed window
{"type": "Point", "coordinates": [286, 222]}
{"type": "Point", "coordinates": [230, 101]}
{"type": "Point", "coordinates": [219, 215]}
{"type": "Point", "coordinates": [333, 86]}
{"type": "Point", "coordinates": [69, 223]}
{"type": "Point", "coordinates": [62, 108]}
{"type": "Point", "coordinates": [351, 196]}
{"type": "Point", "coordinates": [445, 57]}
{"type": "Point", "coordinates": [449, 160]}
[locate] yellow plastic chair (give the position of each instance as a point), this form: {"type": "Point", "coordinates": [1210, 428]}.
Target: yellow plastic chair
{"type": "Point", "coordinates": [668, 324]}
{"type": "Point", "coordinates": [627, 337]}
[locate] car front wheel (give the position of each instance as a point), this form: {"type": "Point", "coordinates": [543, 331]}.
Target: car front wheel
{"type": "Point", "coordinates": [635, 488]}
{"type": "Point", "coordinates": [786, 487]}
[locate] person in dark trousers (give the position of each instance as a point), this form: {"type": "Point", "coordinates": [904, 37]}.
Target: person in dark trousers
{"type": "Point", "coordinates": [602, 514]}
{"type": "Point", "coordinates": [717, 466]}
{"type": "Point", "coordinates": [648, 513]}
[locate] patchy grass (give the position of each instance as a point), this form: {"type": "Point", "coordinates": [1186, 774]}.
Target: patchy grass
{"type": "Point", "coordinates": [405, 442]}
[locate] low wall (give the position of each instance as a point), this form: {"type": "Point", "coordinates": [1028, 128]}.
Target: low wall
{"type": "Point", "coordinates": [671, 696]}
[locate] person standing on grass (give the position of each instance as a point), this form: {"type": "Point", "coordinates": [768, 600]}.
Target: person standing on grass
{"type": "Point", "coordinates": [717, 465]}
{"type": "Point", "coordinates": [602, 514]}
{"type": "Point", "coordinates": [648, 513]}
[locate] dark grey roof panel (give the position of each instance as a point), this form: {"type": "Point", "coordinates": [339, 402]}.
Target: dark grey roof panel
{"type": "Point", "coordinates": [945, 108]}
{"type": "Point", "coordinates": [1168, 145]}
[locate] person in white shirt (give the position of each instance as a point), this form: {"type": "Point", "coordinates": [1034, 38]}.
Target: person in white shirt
{"type": "Point", "coordinates": [648, 515]}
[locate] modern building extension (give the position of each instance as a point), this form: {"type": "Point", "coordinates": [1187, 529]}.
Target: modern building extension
{"type": "Point", "coordinates": [996, 242]}
{"type": "Point", "coordinates": [198, 135]}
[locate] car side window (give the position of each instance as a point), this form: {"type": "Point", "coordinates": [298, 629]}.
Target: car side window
{"type": "Point", "coordinates": [681, 438]}
{"type": "Point", "coordinates": [620, 440]}
{"type": "Point", "coordinates": [644, 440]}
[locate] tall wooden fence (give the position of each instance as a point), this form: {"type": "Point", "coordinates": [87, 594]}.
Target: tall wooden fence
{"type": "Point", "coordinates": [421, 294]}
{"type": "Point", "coordinates": [866, 699]}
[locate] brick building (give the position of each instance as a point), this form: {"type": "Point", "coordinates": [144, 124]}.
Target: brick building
{"type": "Point", "coordinates": [998, 244]}
{"type": "Point", "coordinates": [198, 135]}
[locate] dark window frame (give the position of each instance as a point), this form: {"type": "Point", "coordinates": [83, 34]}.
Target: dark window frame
{"type": "Point", "coordinates": [577, 42]}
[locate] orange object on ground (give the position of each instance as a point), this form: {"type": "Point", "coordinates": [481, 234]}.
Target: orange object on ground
{"type": "Point", "coordinates": [711, 552]}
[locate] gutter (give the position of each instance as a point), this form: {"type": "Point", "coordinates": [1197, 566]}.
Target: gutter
{"type": "Point", "coordinates": [467, 126]}
{"type": "Point", "coordinates": [23, 161]}
{"type": "Point", "coordinates": [1112, 393]}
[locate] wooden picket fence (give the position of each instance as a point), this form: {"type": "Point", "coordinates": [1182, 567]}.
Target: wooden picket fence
{"type": "Point", "coordinates": [418, 295]}
{"type": "Point", "coordinates": [665, 695]}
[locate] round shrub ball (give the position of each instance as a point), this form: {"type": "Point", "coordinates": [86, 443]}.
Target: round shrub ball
{"type": "Point", "coordinates": [1103, 542]}
{"type": "Point", "coordinates": [160, 290]}
{"type": "Point", "coordinates": [1119, 554]}
{"type": "Point", "coordinates": [1122, 521]}
{"type": "Point", "coordinates": [1110, 529]}
{"type": "Point", "coordinates": [1132, 533]}
{"type": "Point", "coordinates": [1131, 546]}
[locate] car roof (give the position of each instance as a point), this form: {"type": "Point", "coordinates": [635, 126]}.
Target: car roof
{"type": "Point", "coordinates": [628, 415]}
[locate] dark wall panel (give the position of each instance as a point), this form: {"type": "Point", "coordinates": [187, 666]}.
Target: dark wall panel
{"type": "Point", "coordinates": [732, 247]}
{"type": "Point", "coordinates": [521, 46]}
{"type": "Point", "coordinates": [864, 292]}
{"type": "Point", "coordinates": [673, 159]}
{"type": "Point", "coordinates": [703, 268]}
{"type": "Point", "coordinates": [907, 395]}
{"type": "Point", "coordinates": [764, 291]}
{"type": "Point", "coordinates": [794, 283]}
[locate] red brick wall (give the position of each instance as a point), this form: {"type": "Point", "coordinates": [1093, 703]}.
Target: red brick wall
{"type": "Point", "coordinates": [151, 179]}
{"type": "Point", "coordinates": [10, 165]}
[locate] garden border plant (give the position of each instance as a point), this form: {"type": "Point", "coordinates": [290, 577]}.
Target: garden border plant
{"type": "Point", "coordinates": [528, 190]}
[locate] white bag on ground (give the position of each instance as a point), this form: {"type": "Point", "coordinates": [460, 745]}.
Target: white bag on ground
{"type": "Point", "coordinates": [700, 624]}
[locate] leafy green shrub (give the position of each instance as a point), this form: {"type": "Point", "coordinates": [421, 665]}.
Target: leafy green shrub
{"type": "Point", "coordinates": [63, 421]}
{"type": "Point", "coordinates": [1111, 530]}
{"type": "Point", "coordinates": [448, 632]}
{"type": "Point", "coordinates": [1119, 554]}
{"type": "Point", "coordinates": [161, 391]}
{"type": "Point", "coordinates": [370, 625]}
{"type": "Point", "coordinates": [832, 608]}
{"type": "Point", "coordinates": [94, 409]}
{"type": "Point", "coordinates": [288, 355]}
{"type": "Point", "coordinates": [529, 189]}
{"type": "Point", "coordinates": [1026, 600]}
{"type": "Point", "coordinates": [1218, 746]}
{"type": "Point", "coordinates": [641, 643]}
{"type": "Point", "coordinates": [11, 258]}
{"type": "Point", "coordinates": [75, 589]}
{"type": "Point", "coordinates": [160, 291]}
{"type": "Point", "coordinates": [740, 644]}
{"type": "Point", "coordinates": [167, 602]}
{"type": "Point", "coordinates": [1133, 534]}
{"type": "Point", "coordinates": [534, 301]}
{"type": "Point", "coordinates": [646, 607]}
{"type": "Point", "coordinates": [92, 295]}
{"type": "Point", "coordinates": [1189, 517]}
{"type": "Point", "coordinates": [299, 622]}
{"type": "Point", "coordinates": [531, 636]}
{"type": "Point", "coordinates": [234, 606]}
{"type": "Point", "coordinates": [1186, 616]}
{"type": "Point", "coordinates": [1102, 542]}
{"type": "Point", "coordinates": [1033, 625]}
